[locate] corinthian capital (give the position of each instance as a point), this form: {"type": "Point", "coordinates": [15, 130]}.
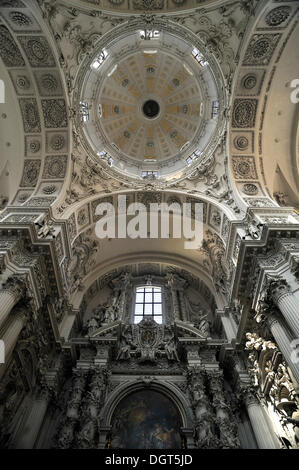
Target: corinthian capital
{"type": "Point", "coordinates": [247, 394]}
{"type": "Point", "coordinates": [15, 285]}
{"type": "Point", "coordinates": [278, 288]}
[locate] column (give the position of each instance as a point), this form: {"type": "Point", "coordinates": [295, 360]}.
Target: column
{"type": "Point", "coordinates": [280, 293]}
{"type": "Point", "coordinates": [11, 334]}
{"type": "Point", "coordinates": [284, 342]}
{"type": "Point", "coordinates": [66, 432]}
{"type": "Point", "coordinates": [259, 425]}
{"type": "Point", "coordinates": [188, 434]}
{"type": "Point", "coordinates": [13, 329]}
{"type": "Point", "coordinates": [30, 430]}
{"type": "Point", "coordinates": [245, 433]}
{"type": "Point", "coordinates": [104, 436]}
{"type": "Point", "coordinates": [204, 429]}
{"type": "Point", "coordinates": [224, 418]}
{"type": "Point", "coordinates": [12, 291]}
{"type": "Point", "coordinates": [90, 409]}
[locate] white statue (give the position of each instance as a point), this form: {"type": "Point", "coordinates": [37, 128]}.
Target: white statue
{"type": "Point", "coordinates": [46, 229]}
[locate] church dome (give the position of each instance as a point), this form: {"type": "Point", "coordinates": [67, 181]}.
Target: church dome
{"type": "Point", "coordinates": [151, 105]}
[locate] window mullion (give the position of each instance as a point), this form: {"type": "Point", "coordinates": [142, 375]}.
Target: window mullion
{"type": "Point", "coordinates": [149, 304]}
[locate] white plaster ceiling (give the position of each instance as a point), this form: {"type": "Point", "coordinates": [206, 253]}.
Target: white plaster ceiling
{"type": "Point", "coordinates": [11, 139]}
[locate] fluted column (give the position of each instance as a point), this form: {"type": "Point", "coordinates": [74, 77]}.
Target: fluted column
{"type": "Point", "coordinates": [258, 422]}
{"type": "Point", "coordinates": [10, 294]}
{"type": "Point", "coordinates": [30, 431]}
{"type": "Point", "coordinates": [284, 342]}
{"type": "Point", "coordinates": [284, 299]}
{"type": "Point", "coordinates": [14, 328]}
{"type": "Point", "coordinates": [11, 334]}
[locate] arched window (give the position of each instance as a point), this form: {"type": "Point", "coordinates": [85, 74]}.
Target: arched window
{"type": "Point", "coordinates": [148, 302]}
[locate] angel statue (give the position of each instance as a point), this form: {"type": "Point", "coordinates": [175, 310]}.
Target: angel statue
{"type": "Point", "coordinates": [170, 350]}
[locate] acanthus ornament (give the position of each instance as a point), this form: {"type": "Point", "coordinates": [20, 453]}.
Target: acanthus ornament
{"type": "Point", "coordinates": [15, 285]}
{"type": "Point", "coordinates": [247, 394]}
{"type": "Point", "coordinates": [213, 245]}
{"type": "Point", "coordinates": [82, 259]}
{"type": "Point", "coordinates": [278, 288]}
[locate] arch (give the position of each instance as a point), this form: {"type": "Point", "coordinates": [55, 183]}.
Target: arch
{"type": "Point", "coordinates": [166, 388]}
{"type": "Point", "coordinates": [206, 198]}
{"type": "Point", "coordinates": [151, 258]}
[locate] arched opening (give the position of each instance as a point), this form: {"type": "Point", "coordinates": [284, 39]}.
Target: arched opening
{"type": "Point", "coordinates": [146, 419]}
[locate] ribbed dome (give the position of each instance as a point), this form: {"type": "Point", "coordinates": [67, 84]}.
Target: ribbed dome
{"type": "Point", "coordinates": [151, 106]}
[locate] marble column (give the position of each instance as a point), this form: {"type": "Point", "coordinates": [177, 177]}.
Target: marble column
{"type": "Point", "coordinates": [31, 429]}
{"type": "Point", "coordinates": [11, 292]}
{"type": "Point", "coordinates": [11, 334]}
{"type": "Point", "coordinates": [257, 419]}
{"type": "Point", "coordinates": [284, 342]}
{"type": "Point", "coordinates": [280, 293]}
{"type": "Point", "coordinates": [13, 329]}
{"type": "Point", "coordinates": [245, 433]}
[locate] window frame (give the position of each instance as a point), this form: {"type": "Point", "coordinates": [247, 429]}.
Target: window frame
{"type": "Point", "coordinates": [144, 315]}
